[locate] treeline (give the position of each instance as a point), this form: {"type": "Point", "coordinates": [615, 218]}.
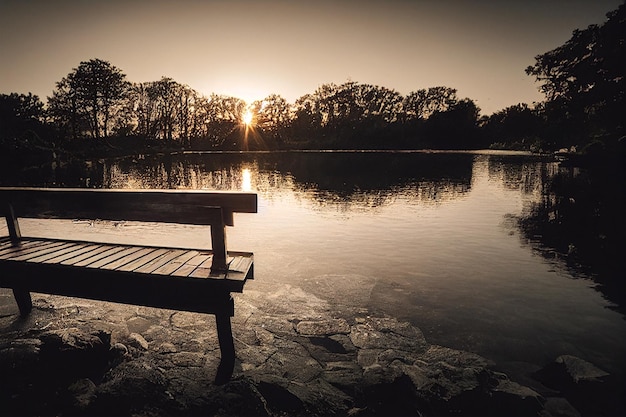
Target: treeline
{"type": "Point", "coordinates": [95, 105]}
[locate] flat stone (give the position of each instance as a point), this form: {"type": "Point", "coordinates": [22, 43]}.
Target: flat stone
{"type": "Point", "coordinates": [343, 374]}
{"type": "Point", "coordinates": [184, 319]}
{"type": "Point", "coordinates": [513, 388]}
{"type": "Point", "coordinates": [292, 365]}
{"type": "Point", "coordinates": [387, 333]}
{"type": "Point", "coordinates": [70, 339]}
{"type": "Point", "coordinates": [368, 357]}
{"type": "Point", "coordinates": [420, 378]}
{"type": "Point", "coordinates": [255, 357]}
{"type": "Point", "coordinates": [323, 327]}
{"type": "Point", "coordinates": [188, 359]}
{"type": "Point", "coordinates": [559, 407]}
{"type": "Point", "coordinates": [378, 375]}
{"type": "Point", "coordinates": [568, 373]}
{"type": "Point", "coordinates": [167, 347]}
{"type": "Point", "coordinates": [509, 395]}
{"type": "Point", "coordinates": [138, 324]}
{"type": "Point", "coordinates": [458, 358]}
{"type": "Point", "coordinates": [263, 336]}
{"type": "Point", "coordinates": [581, 370]}
{"type": "Point", "coordinates": [136, 340]}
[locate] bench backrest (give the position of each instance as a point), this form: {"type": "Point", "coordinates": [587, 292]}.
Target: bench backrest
{"type": "Point", "coordinates": [197, 207]}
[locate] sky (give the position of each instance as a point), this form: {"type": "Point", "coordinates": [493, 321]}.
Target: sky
{"type": "Point", "coordinates": [250, 49]}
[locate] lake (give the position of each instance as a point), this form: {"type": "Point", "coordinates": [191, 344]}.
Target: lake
{"type": "Point", "coordinates": [488, 252]}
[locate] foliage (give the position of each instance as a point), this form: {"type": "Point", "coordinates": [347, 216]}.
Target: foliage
{"type": "Point", "coordinates": [422, 104]}
{"type": "Point", "coordinates": [584, 81]}
{"type": "Point", "coordinates": [96, 101]}
{"type": "Point", "coordinates": [163, 110]}
{"type": "Point", "coordinates": [22, 119]}
{"type": "Point", "coordinates": [89, 101]}
{"type": "Point", "coordinates": [272, 116]}
{"type": "Point", "coordinates": [454, 128]}
{"type": "Point", "coordinates": [518, 126]}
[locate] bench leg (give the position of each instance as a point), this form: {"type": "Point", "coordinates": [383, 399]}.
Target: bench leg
{"type": "Point", "coordinates": [23, 300]}
{"type": "Point", "coordinates": [227, 348]}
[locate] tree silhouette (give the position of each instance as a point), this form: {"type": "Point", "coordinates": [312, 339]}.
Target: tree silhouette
{"type": "Point", "coordinates": [454, 128]}
{"type": "Point", "coordinates": [21, 119]}
{"type": "Point", "coordinates": [518, 126]}
{"type": "Point", "coordinates": [422, 104]}
{"type": "Point", "coordinates": [584, 80]}
{"type": "Point", "coordinates": [272, 117]}
{"type": "Point", "coordinates": [89, 100]}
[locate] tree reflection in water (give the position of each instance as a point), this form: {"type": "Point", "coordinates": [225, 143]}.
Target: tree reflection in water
{"type": "Point", "coordinates": [579, 219]}
{"type": "Point", "coordinates": [348, 179]}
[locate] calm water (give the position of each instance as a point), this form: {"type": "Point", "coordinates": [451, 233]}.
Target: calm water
{"type": "Point", "coordinates": [453, 242]}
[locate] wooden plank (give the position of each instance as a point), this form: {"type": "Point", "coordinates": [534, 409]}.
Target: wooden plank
{"type": "Point", "coordinates": [204, 269]}
{"type": "Point", "coordinates": [158, 262]}
{"type": "Point", "coordinates": [4, 241]}
{"type": "Point", "coordinates": [204, 272]}
{"type": "Point", "coordinates": [175, 206]}
{"type": "Point", "coordinates": [115, 256]}
{"type": "Point", "coordinates": [237, 270]}
{"type": "Point", "coordinates": [235, 264]}
{"type": "Point", "coordinates": [192, 264]}
{"type": "Point", "coordinates": [59, 250]}
{"type": "Point", "coordinates": [176, 263]}
{"type": "Point", "coordinates": [34, 251]}
{"type": "Point", "coordinates": [80, 257]}
{"type": "Point", "coordinates": [241, 264]}
{"type": "Point", "coordinates": [96, 257]}
{"type": "Point", "coordinates": [11, 249]}
{"type": "Point", "coordinates": [139, 262]}
{"type": "Point", "coordinates": [7, 251]}
{"type": "Point", "coordinates": [5, 245]}
{"type": "Point", "coordinates": [128, 258]}
{"type": "Point", "coordinates": [81, 249]}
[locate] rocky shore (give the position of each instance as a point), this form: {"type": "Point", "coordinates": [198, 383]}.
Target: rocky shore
{"type": "Point", "coordinates": [296, 356]}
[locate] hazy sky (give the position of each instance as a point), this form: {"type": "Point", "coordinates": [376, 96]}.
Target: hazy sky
{"type": "Point", "coordinates": [249, 49]}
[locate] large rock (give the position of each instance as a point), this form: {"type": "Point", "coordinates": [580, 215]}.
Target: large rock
{"type": "Point", "coordinates": [588, 388]}
{"type": "Point", "coordinates": [580, 370]}
{"type": "Point", "coordinates": [316, 397]}
{"type": "Point", "coordinates": [19, 355]}
{"type": "Point", "coordinates": [568, 371]}
{"type": "Point", "coordinates": [129, 388]}
{"type": "Point", "coordinates": [75, 353]}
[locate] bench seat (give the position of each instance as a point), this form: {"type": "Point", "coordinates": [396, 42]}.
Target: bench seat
{"type": "Point", "coordinates": [175, 278]}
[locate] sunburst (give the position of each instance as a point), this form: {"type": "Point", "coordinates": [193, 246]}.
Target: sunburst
{"type": "Point", "coordinates": [247, 118]}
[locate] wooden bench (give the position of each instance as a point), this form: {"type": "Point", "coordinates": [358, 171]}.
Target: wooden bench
{"type": "Point", "coordinates": [188, 279]}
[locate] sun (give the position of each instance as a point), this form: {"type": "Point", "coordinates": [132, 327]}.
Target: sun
{"type": "Point", "coordinates": [247, 118]}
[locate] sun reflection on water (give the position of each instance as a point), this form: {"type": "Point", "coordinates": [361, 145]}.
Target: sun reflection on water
{"type": "Point", "coordinates": [246, 179]}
